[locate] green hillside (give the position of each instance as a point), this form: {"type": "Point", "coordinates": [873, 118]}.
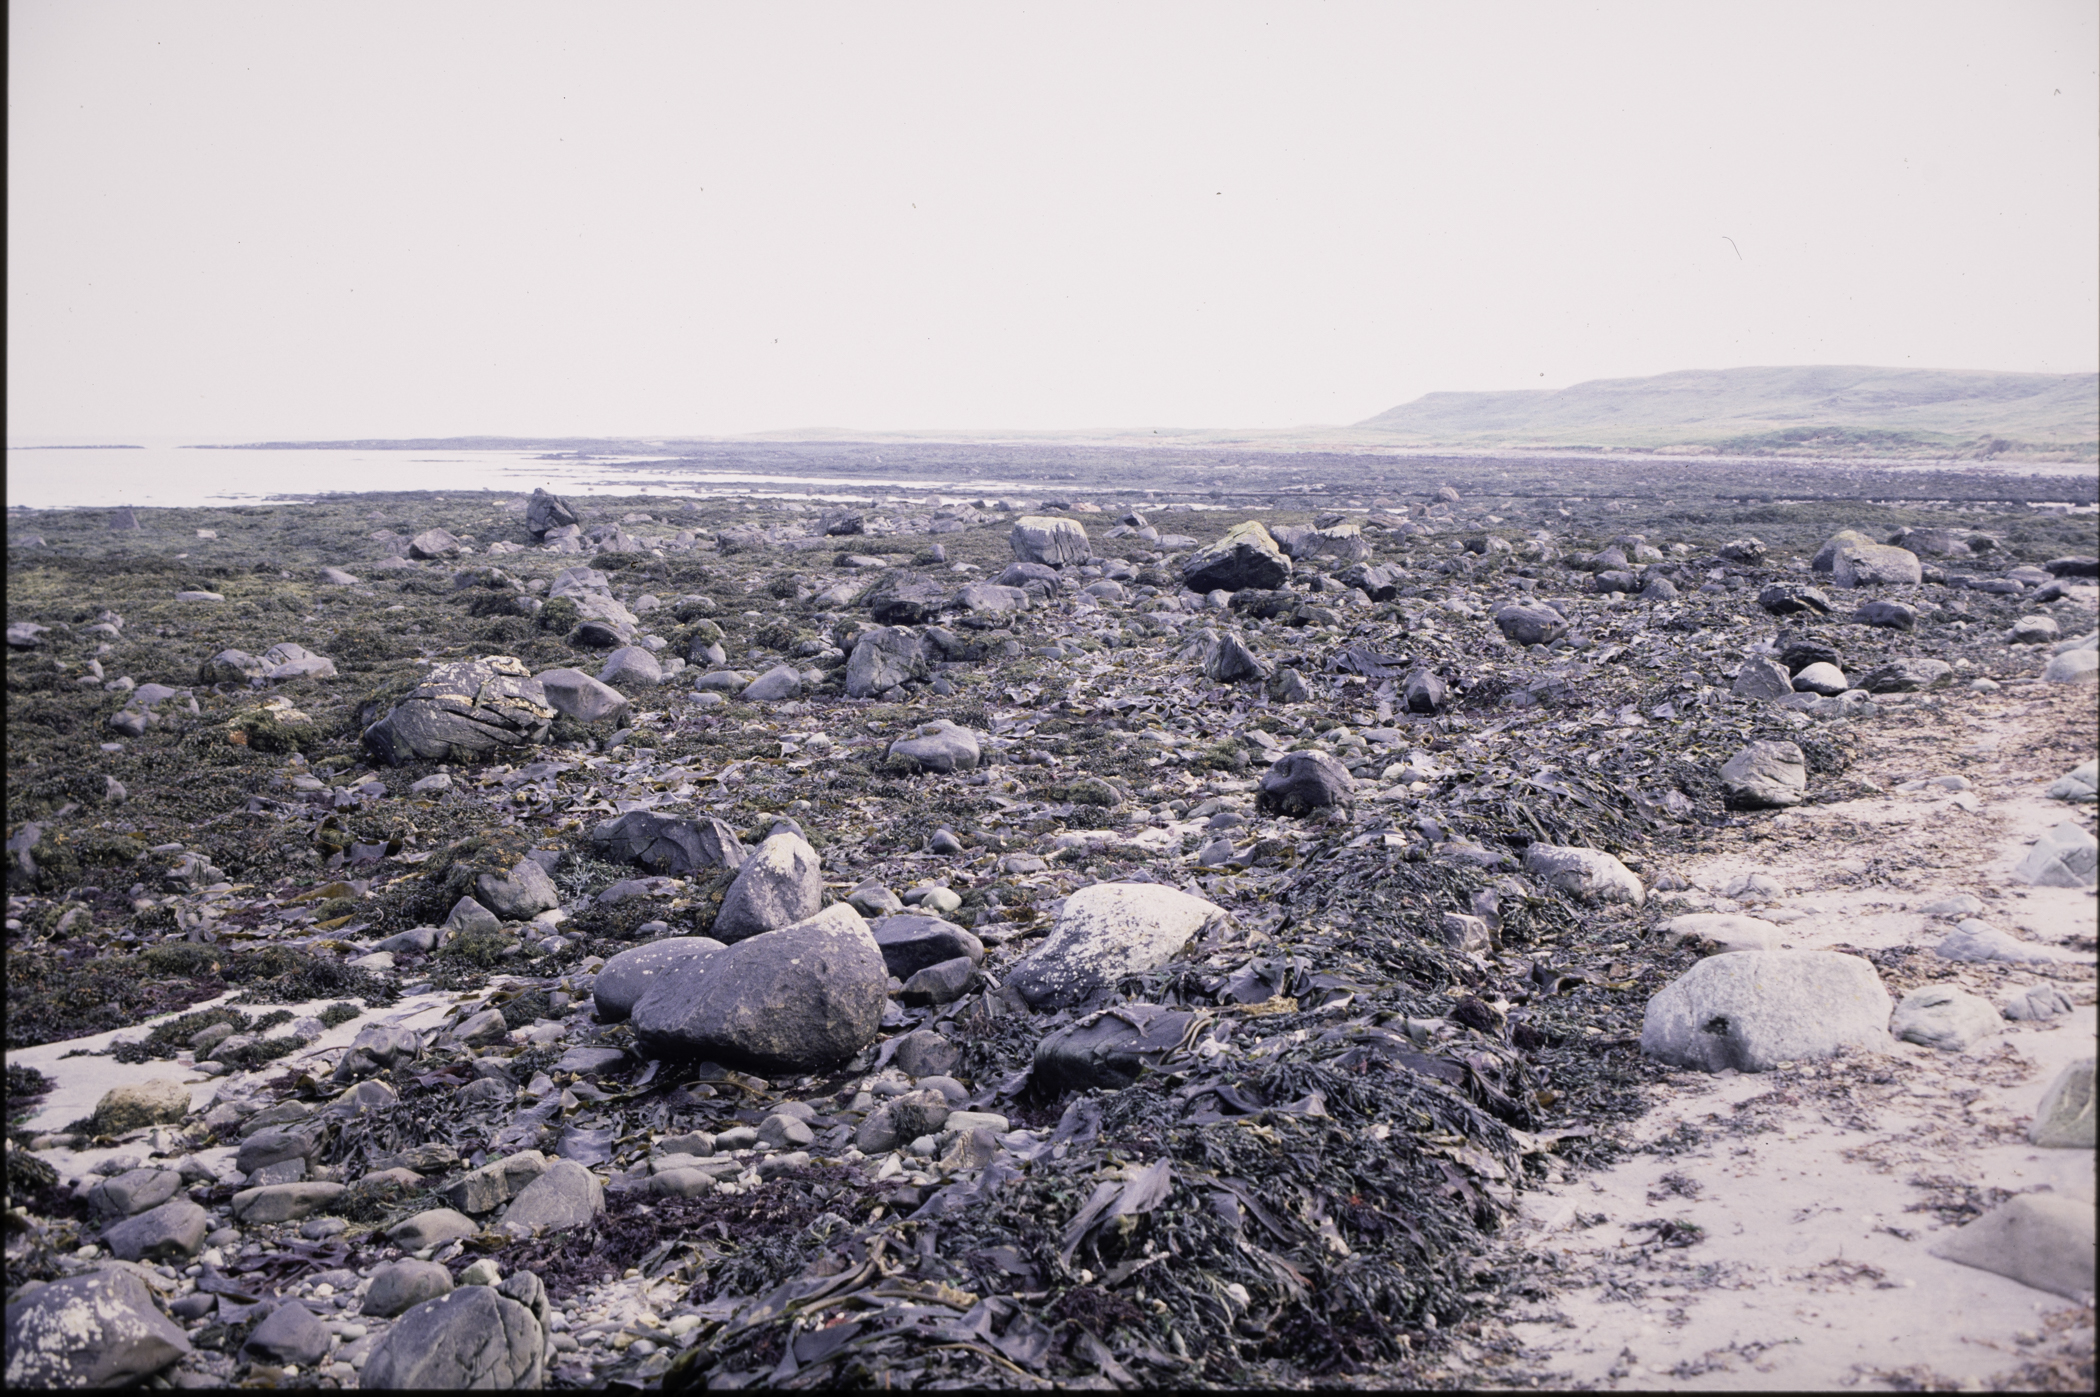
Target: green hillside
{"type": "Point", "coordinates": [1819, 408]}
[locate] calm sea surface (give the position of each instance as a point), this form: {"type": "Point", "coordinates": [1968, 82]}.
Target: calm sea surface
{"type": "Point", "coordinates": [185, 476]}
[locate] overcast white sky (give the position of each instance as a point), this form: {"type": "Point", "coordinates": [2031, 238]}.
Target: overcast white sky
{"type": "Point", "coordinates": [237, 221]}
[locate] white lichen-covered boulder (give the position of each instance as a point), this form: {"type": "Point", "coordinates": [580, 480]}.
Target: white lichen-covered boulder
{"type": "Point", "coordinates": [1105, 932]}
{"type": "Point", "coordinates": [1752, 1010]}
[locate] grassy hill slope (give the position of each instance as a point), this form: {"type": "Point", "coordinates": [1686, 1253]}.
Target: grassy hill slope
{"type": "Point", "coordinates": [1816, 408]}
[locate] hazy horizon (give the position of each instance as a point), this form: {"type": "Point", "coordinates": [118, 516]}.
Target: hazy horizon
{"type": "Point", "coordinates": [236, 223]}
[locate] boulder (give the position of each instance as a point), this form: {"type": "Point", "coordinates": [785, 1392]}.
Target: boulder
{"type": "Point", "coordinates": [433, 1227]}
{"type": "Point", "coordinates": [566, 1195]}
{"type": "Point", "coordinates": [158, 1101]}
{"type": "Point", "coordinates": [628, 976]}
{"type": "Point", "coordinates": [2064, 857]}
{"type": "Point", "coordinates": [283, 1202]}
{"type": "Point", "coordinates": [780, 883]}
{"type": "Point", "coordinates": [1110, 1049]}
{"type": "Point", "coordinates": [2034, 630]}
{"type": "Point", "coordinates": [1246, 556]}
{"type": "Point", "coordinates": [133, 1191]}
{"type": "Point", "coordinates": [1424, 692]}
{"type": "Point", "coordinates": [1976, 940]}
{"type": "Point", "coordinates": [2080, 785]}
{"type": "Point", "coordinates": [2073, 667]}
{"type": "Point", "coordinates": [1787, 599]}
{"type": "Point", "coordinates": [943, 982]}
{"type": "Point", "coordinates": [2042, 1240]}
{"type": "Point", "coordinates": [882, 659]}
{"type": "Point", "coordinates": [633, 665]}
{"type": "Point", "coordinates": [1378, 581]}
{"type": "Point", "coordinates": [463, 711]}
{"type": "Point", "coordinates": [1727, 930]}
{"type": "Point", "coordinates": [1825, 559]}
{"type": "Point", "coordinates": [485, 1189]}
{"type": "Point", "coordinates": [545, 512]}
{"type": "Point", "coordinates": [230, 667]}
{"type": "Point", "coordinates": [925, 1053]}
{"type": "Point", "coordinates": [2065, 1118]}
{"type": "Point", "coordinates": [1020, 575]}
{"type": "Point", "coordinates": [288, 660]}
{"type": "Point", "coordinates": [802, 998]}
{"type": "Point", "coordinates": [291, 1334]}
{"type": "Point", "coordinates": [1940, 1016]}
{"type": "Point", "coordinates": [520, 894]}
{"type": "Point", "coordinates": [574, 694]}
{"type": "Point", "coordinates": [2087, 566]}
{"type": "Point", "coordinates": [1589, 874]}
{"type": "Point", "coordinates": [1302, 782]}
{"type": "Point", "coordinates": [471, 1337]}
{"type": "Point", "coordinates": [776, 685]}
{"type": "Point", "coordinates": [1765, 776]}
{"type": "Point", "coordinates": [667, 845]}
{"type": "Point", "coordinates": [991, 599]}
{"type": "Point", "coordinates": [1906, 676]}
{"type": "Point", "coordinates": [1889, 615]}
{"type": "Point", "coordinates": [939, 746]}
{"type": "Point", "coordinates": [1747, 551]}
{"type": "Point", "coordinates": [1875, 565]}
{"type": "Point", "coordinates": [1230, 661]}
{"type": "Point", "coordinates": [434, 543]}
{"type": "Point", "coordinates": [1107, 931]}
{"type": "Point", "coordinates": [1530, 623]}
{"type": "Point", "coordinates": [1041, 539]}
{"type": "Point", "coordinates": [378, 1048]}
{"type": "Point", "coordinates": [1821, 677]}
{"type": "Point", "coordinates": [101, 1329]}
{"type": "Point", "coordinates": [1335, 545]}
{"type": "Point", "coordinates": [911, 941]}
{"type": "Point", "coordinates": [1762, 678]}
{"type": "Point", "coordinates": [403, 1285]}
{"type": "Point", "coordinates": [1752, 1010]}
{"type": "Point", "coordinates": [172, 1231]}
{"type": "Point", "coordinates": [906, 599]}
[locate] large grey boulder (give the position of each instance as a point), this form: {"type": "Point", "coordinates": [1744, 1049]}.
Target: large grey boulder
{"type": "Point", "coordinates": [1875, 565]}
{"type": "Point", "coordinates": [463, 711]}
{"type": "Point", "coordinates": [574, 694]}
{"type": "Point", "coordinates": [1977, 940]}
{"type": "Point", "coordinates": [1302, 782]}
{"type": "Point", "coordinates": [906, 599]}
{"type": "Point", "coordinates": [520, 894]}
{"type": "Point", "coordinates": [882, 659]}
{"type": "Point", "coordinates": [1530, 623]}
{"type": "Point", "coordinates": [2042, 1240]}
{"type": "Point", "coordinates": [566, 1195]}
{"type": "Point", "coordinates": [911, 941]}
{"type": "Point", "coordinates": [1906, 676]}
{"type": "Point", "coordinates": [1247, 556]}
{"type": "Point", "coordinates": [1825, 559]}
{"type": "Point", "coordinates": [2064, 857]}
{"type": "Point", "coordinates": [1752, 1010]}
{"type": "Point", "coordinates": [1231, 661]}
{"type": "Point", "coordinates": [991, 599]}
{"type": "Point", "coordinates": [628, 976]}
{"type": "Point", "coordinates": [1110, 1049]}
{"type": "Point", "coordinates": [1765, 776]}
{"type": "Point", "coordinates": [435, 543]}
{"type": "Point", "coordinates": [97, 1330]}
{"type": "Point", "coordinates": [1940, 1016]}
{"type": "Point", "coordinates": [175, 1229]}
{"type": "Point", "coordinates": [776, 685]}
{"type": "Point", "coordinates": [493, 1184]}
{"type": "Point", "coordinates": [802, 998]}
{"type": "Point", "coordinates": [472, 1337]}
{"type": "Point", "coordinates": [1762, 677]}
{"type": "Point", "coordinates": [545, 512]}
{"type": "Point", "coordinates": [937, 746]}
{"type": "Point", "coordinates": [2073, 667]}
{"type": "Point", "coordinates": [2065, 1118]}
{"type": "Point", "coordinates": [1589, 874]}
{"type": "Point", "coordinates": [1107, 931]}
{"type": "Point", "coordinates": [292, 1334]}
{"type": "Point", "coordinates": [780, 883]}
{"type": "Point", "coordinates": [667, 845]}
{"type": "Point", "coordinates": [133, 1191]}
{"type": "Point", "coordinates": [1039, 538]}
{"type": "Point", "coordinates": [633, 665]}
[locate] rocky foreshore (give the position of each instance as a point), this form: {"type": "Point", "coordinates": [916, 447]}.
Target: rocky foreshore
{"type": "Point", "coordinates": [519, 941]}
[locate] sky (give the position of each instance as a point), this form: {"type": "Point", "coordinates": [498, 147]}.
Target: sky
{"type": "Point", "coordinates": [236, 222]}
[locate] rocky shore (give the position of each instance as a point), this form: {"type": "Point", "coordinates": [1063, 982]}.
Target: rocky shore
{"type": "Point", "coordinates": [507, 940]}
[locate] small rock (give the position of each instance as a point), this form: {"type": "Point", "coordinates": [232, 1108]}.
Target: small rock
{"type": "Point", "coordinates": [1589, 874]}
{"type": "Point", "coordinates": [1906, 676]}
{"type": "Point", "coordinates": [1302, 782]}
{"type": "Point", "coordinates": [566, 1195]}
{"type": "Point", "coordinates": [940, 983]}
{"type": "Point", "coordinates": [910, 942]}
{"type": "Point", "coordinates": [1939, 1016]}
{"type": "Point", "coordinates": [1109, 1049]}
{"type": "Point", "coordinates": [1762, 678]}
{"type": "Point", "coordinates": [574, 694]}
{"type": "Point", "coordinates": [159, 1101]}
{"type": "Point", "coordinates": [2064, 857]}
{"type": "Point", "coordinates": [939, 746]}
{"type": "Point", "coordinates": [925, 1053]}
{"type": "Point", "coordinates": [432, 1228]}
{"type": "Point", "coordinates": [1729, 931]}
{"type": "Point", "coordinates": [779, 884]}
{"type": "Point", "coordinates": [291, 1334]}
{"type": "Point", "coordinates": [1765, 775]}
{"type": "Point", "coordinates": [283, 1202]}
{"type": "Point", "coordinates": [2073, 667]}
{"type": "Point", "coordinates": [1821, 678]}
{"type": "Point", "coordinates": [472, 1337]}
{"type": "Point", "coordinates": [2080, 785]}
{"type": "Point", "coordinates": [174, 1230]}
